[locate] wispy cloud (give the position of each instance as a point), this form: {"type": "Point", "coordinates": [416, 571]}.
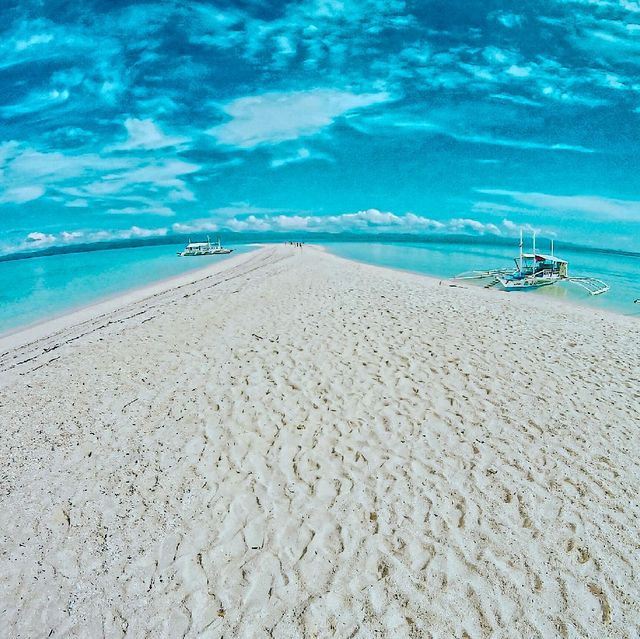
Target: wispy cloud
{"type": "Point", "coordinates": [76, 178]}
{"type": "Point", "coordinates": [33, 40]}
{"type": "Point", "coordinates": [577, 206]}
{"type": "Point", "coordinates": [36, 101]}
{"type": "Point", "coordinates": [490, 139]}
{"type": "Point", "coordinates": [271, 118]}
{"type": "Point", "coordinates": [21, 194]}
{"type": "Point", "coordinates": [139, 211]}
{"type": "Point", "coordinates": [244, 208]}
{"type": "Point", "coordinates": [516, 99]}
{"type": "Point", "coordinates": [509, 20]}
{"type": "Point", "coordinates": [523, 144]}
{"type": "Point", "coordinates": [303, 154]}
{"type": "Point", "coordinates": [146, 135]}
{"type": "Point", "coordinates": [78, 203]}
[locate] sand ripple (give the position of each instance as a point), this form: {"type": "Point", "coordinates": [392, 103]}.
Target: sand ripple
{"type": "Point", "coordinates": [307, 447]}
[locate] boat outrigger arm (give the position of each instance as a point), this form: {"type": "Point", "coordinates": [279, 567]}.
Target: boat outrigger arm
{"type": "Point", "coordinates": [480, 275]}
{"type": "Point", "coordinates": [592, 285]}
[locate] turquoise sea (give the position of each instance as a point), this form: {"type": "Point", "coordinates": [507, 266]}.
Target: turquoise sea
{"type": "Point", "coordinates": [37, 288]}
{"type": "Point", "coordinates": [619, 270]}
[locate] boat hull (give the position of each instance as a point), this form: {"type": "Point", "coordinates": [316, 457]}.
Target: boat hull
{"type": "Point", "coordinates": [205, 253]}
{"type": "Point", "coordinates": [525, 285]}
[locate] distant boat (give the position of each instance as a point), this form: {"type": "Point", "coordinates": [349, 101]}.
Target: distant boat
{"type": "Point", "coordinates": [535, 270]}
{"type": "Point", "coordinates": [203, 248]}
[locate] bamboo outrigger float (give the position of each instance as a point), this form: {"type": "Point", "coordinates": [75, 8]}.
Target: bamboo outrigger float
{"type": "Point", "coordinates": [535, 270]}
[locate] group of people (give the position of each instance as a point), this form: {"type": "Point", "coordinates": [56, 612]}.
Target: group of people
{"type": "Point", "coordinates": [298, 244]}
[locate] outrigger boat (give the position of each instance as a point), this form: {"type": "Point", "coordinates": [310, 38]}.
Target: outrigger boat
{"type": "Point", "coordinates": [535, 270]}
{"type": "Point", "coordinates": [203, 248]}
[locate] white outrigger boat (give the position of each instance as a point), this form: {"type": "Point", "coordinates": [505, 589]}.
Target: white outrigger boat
{"type": "Point", "coordinates": [535, 270]}
{"type": "Point", "coordinates": [203, 248]}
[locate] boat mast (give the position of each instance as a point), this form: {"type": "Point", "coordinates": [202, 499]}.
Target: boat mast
{"type": "Point", "coordinates": [534, 244]}
{"type": "Point", "coordinates": [521, 250]}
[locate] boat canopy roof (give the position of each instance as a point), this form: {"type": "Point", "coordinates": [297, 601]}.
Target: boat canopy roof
{"type": "Point", "coordinates": [546, 258]}
{"type": "Point", "coordinates": [197, 244]}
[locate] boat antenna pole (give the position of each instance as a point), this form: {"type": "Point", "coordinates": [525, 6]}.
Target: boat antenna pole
{"type": "Point", "coordinates": [551, 248]}
{"type": "Point", "coordinates": [534, 242]}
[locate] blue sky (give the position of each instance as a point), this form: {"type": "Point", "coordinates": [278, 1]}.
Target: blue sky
{"type": "Point", "coordinates": [122, 119]}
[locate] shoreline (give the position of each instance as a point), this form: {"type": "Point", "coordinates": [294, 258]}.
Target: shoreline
{"type": "Point", "coordinates": [39, 329]}
{"type": "Point", "coordinates": [537, 301]}
{"type": "Point", "coordinates": [618, 308]}
{"type": "Point", "coordinates": [20, 336]}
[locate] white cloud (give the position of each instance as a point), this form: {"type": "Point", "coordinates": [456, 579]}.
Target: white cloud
{"type": "Point", "coordinates": [28, 164]}
{"type": "Point", "coordinates": [133, 210]}
{"type": "Point", "coordinates": [166, 175]}
{"type": "Point", "coordinates": [37, 239]}
{"type": "Point", "coordinates": [568, 97]}
{"type": "Point", "coordinates": [361, 221]}
{"type": "Point", "coordinates": [36, 101]}
{"type": "Point", "coordinates": [581, 206]}
{"type": "Point", "coordinates": [78, 203]}
{"type": "Point", "coordinates": [509, 20]}
{"type": "Point", "coordinates": [514, 228]}
{"type": "Point", "coordinates": [41, 238]}
{"type": "Point", "coordinates": [252, 223]}
{"type": "Point", "coordinates": [366, 221]}
{"type": "Point", "coordinates": [244, 208]}
{"type": "Point", "coordinates": [465, 224]}
{"type": "Point", "coordinates": [195, 226]}
{"type": "Point", "coordinates": [145, 135]}
{"type": "Point", "coordinates": [21, 194]}
{"type": "Point", "coordinates": [70, 236]}
{"type": "Point", "coordinates": [516, 99]}
{"type": "Point", "coordinates": [301, 155]}
{"type": "Point", "coordinates": [89, 176]}
{"type": "Point", "coordinates": [38, 38]}
{"type": "Point", "coordinates": [498, 207]}
{"type": "Point", "coordinates": [495, 55]}
{"type": "Point", "coordinates": [136, 231]}
{"type": "Point", "coordinates": [521, 144]}
{"type": "Point", "coordinates": [519, 71]}
{"type": "Point", "coordinates": [272, 118]}
{"type": "Point", "coordinates": [489, 139]}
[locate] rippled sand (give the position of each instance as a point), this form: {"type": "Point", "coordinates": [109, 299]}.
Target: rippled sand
{"type": "Point", "coordinates": [301, 446]}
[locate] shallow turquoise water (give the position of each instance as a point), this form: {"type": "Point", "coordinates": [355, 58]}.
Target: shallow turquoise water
{"type": "Point", "coordinates": [621, 272]}
{"type": "Point", "coordinates": [37, 288]}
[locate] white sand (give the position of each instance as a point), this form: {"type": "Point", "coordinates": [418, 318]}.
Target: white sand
{"type": "Point", "coordinates": [301, 446]}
